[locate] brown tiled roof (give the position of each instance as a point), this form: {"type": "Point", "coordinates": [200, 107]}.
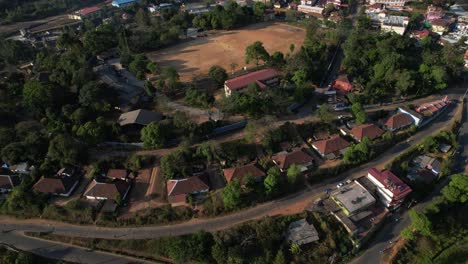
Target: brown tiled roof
{"type": "Point", "coordinates": [367, 130]}
{"type": "Point", "coordinates": [327, 146]}
{"type": "Point", "coordinates": [141, 117]}
{"type": "Point", "coordinates": [185, 186]}
{"type": "Point", "coordinates": [241, 172]}
{"type": "Point", "coordinates": [54, 184]}
{"type": "Point", "coordinates": [246, 79]}
{"type": "Point", "coordinates": [285, 159]}
{"type": "Point", "coordinates": [117, 173]}
{"type": "Point", "coordinates": [398, 120]}
{"type": "Point", "coordinates": [441, 22]}
{"type": "Point", "coordinates": [9, 181]}
{"type": "Point", "coordinates": [109, 190]}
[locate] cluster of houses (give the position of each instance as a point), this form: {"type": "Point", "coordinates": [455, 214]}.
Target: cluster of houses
{"type": "Point", "coordinates": [334, 146]}
{"type": "Point", "coordinates": [178, 190]}
{"type": "Point", "coordinates": [380, 18]}
{"type": "Point", "coordinates": [362, 204]}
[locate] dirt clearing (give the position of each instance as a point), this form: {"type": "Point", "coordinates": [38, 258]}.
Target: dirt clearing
{"type": "Point", "coordinates": [223, 48]}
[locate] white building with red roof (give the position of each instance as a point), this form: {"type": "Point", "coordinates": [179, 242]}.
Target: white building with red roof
{"type": "Point", "coordinates": [88, 12]}
{"type": "Point", "coordinates": [390, 189]}
{"type": "Point", "coordinates": [331, 148]}
{"type": "Point", "coordinates": [263, 78]}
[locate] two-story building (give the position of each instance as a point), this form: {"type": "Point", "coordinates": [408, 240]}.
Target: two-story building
{"type": "Point", "coordinates": [391, 190]}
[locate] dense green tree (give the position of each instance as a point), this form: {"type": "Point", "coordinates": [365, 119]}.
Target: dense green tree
{"type": "Point", "coordinates": [273, 181]}
{"type": "Point", "coordinates": [277, 59]}
{"type": "Point", "coordinates": [66, 150]}
{"type": "Point", "coordinates": [325, 113]}
{"type": "Point", "coordinates": [259, 9]}
{"type": "Point", "coordinates": [359, 113]}
{"type": "Point", "coordinates": [218, 75]}
{"type": "Point", "coordinates": [256, 52]}
{"type": "Point", "coordinates": [457, 190]}
{"type": "Point", "coordinates": [93, 132]}
{"type": "Point", "coordinates": [174, 165]}
{"type": "Point", "coordinates": [232, 194]}
{"type": "Point", "coordinates": [100, 39]}
{"type": "Point", "coordinates": [155, 135]}
{"type": "Point", "coordinates": [38, 96]}
{"type": "Point", "coordinates": [293, 173]}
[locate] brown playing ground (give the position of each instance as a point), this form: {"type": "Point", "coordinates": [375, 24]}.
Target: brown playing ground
{"type": "Point", "coordinates": [195, 57]}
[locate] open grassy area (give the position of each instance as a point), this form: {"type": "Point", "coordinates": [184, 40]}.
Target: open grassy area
{"type": "Point", "coordinates": [195, 57]}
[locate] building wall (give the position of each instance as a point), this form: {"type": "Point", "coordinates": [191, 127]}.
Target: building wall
{"type": "Point", "coordinates": [389, 2]}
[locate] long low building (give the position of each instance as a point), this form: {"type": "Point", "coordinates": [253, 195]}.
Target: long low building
{"type": "Point", "coordinates": [263, 78]}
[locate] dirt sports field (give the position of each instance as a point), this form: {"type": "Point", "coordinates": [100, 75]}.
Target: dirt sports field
{"type": "Point", "coordinates": [195, 57]}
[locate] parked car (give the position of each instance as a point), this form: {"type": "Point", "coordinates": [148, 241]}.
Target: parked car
{"type": "Point", "coordinates": [339, 185]}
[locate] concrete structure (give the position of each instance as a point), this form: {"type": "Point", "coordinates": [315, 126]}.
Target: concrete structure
{"type": "Point", "coordinates": [86, 13]}
{"type": "Point", "coordinates": [392, 3]}
{"type": "Point", "coordinates": [123, 3]}
{"type": "Point", "coordinates": [395, 24]}
{"type": "Point", "coordinates": [263, 78]}
{"type": "Point", "coordinates": [390, 189]}
{"type": "Point", "coordinates": [301, 232]}
{"type": "Point", "coordinates": [353, 198]}
{"type": "Point", "coordinates": [310, 10]}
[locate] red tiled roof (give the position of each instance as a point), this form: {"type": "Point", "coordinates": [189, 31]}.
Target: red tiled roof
{"type": "Point", "coordinates": [89, 10]}
{"type": "Point", "coordinates": [398, 120]}
{"type": "Point", "coordinates": [185, 186]}
{"type": "Point", "coordinates": [343, 82]}
{"type": "Point", "coordinates": [246, 79]}
{"type": "Point", "coordinates": [391, 182]}
{"type": "Point", "coordinates": [55, 184]}
{"type": "Point", "coordinates": [286, 159]}
{"type": "Point", "coordinates": [241, 172]}
{"type": "Point", "coordinates": [327, 146]}
{"type": "Point", "coordinates": [367, 130]}
{"type": "Point", "coordinates": [441, 22]}
{"type": "Point", "coordinates": [117, 173]}
{"type": "Point", "coordinates": [109, 190]}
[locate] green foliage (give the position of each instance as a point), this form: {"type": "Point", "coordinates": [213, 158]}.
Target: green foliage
{"type": "Point", "coordinates": [358, 113]}
{"type": "Point", "coordinates": [93, 132]}
{"type": "Point", "coordinates": [155, 135]}
{"type": "Point", "coordinates": [420, 223]}
{"type": "Point", "coordinates": [196, 98]}
{"type": "Point", "coordinates": [457, 190]}
{"type": "Point", "coordinates": [325, 113]}
{"type": "Point", "coordinates": [138, 66]}
{"type": "Point", "coordinates": [218, 75]}
{"type": "Point", "coordinates": [389, 65]}
{"type": "Point", "coordinates": [277, 60]}
{"type": "Point", "coordinates": [358, 153]}
{"type": "Point", "coordinates": [38, 96]}
{"type": "Point", "coordinates": [273, 181]}
{"type": "Point", "coordinates": [174, 165]}
{"type": "Point", "coordinates": [100, 39]}
{"type": "Point", "coordinates": [232, 194]}
{"type": "Point", "coordinates": [256, 52]}
{"type": "Point", "coordinates": [66, 150]}
{"type": "Point", "coordinates": [293, 173]}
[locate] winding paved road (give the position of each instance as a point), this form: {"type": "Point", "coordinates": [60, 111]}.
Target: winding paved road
{"type": "Point", "coordinates": [223, 222]}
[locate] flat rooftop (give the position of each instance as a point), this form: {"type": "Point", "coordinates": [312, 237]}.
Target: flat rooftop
{"type": "Point", "coordinates": [353, 197]}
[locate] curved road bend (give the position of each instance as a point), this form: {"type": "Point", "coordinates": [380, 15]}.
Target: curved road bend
{"type": "Point", "coordinates": [223, 222]}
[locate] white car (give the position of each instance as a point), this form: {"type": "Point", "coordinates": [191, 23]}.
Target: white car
{"type": "Point", "coordinates": [339, 185]}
